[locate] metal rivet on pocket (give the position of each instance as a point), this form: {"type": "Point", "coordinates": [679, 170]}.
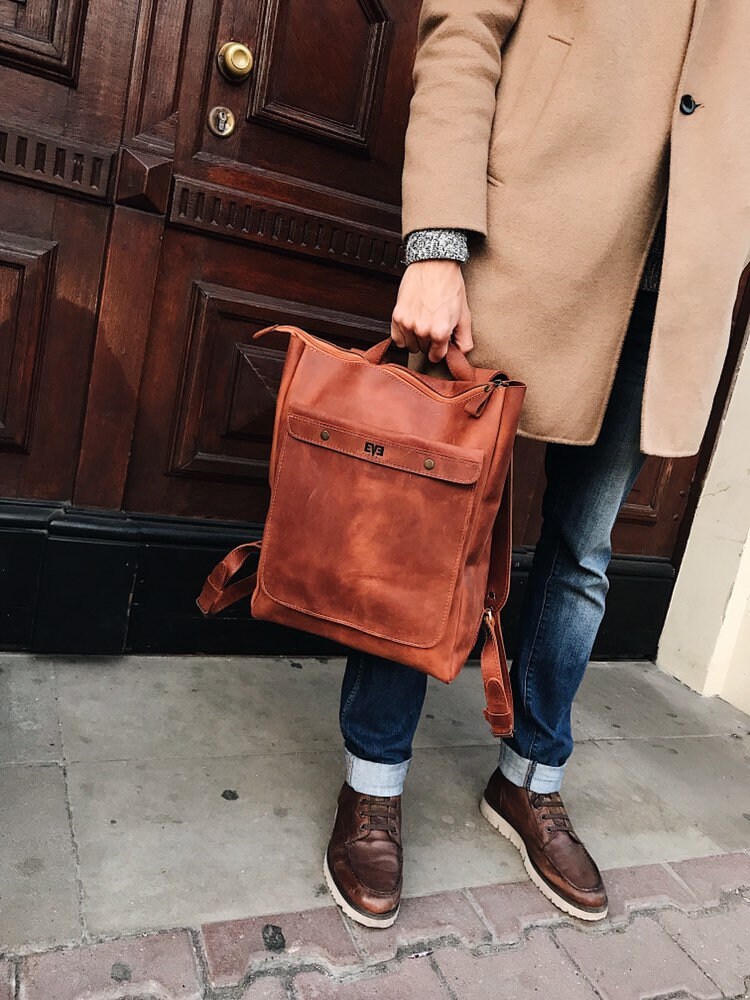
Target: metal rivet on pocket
{"type": "Point", "coordinates": [325, 435]}
{"type": "Point", "coordinates": [429, 464]}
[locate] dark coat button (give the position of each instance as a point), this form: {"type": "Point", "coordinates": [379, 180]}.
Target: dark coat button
{"type": "Point", "coordinates": [688, 104]}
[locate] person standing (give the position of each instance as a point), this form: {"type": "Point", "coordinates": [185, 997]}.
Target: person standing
{"type": "Point", "coordinates": [576, 211]}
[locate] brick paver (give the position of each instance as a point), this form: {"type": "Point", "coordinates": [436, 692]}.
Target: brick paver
{"type": "Point", "coordinates": [718, 942]}
{"type": "Point", "coordinates": [265, 988]}
{"type": "Point", "coordinates": [425, 919]}
{"type": "Point", "coordinates": [235, 947]}
{"type": "Point", "coordinates": [709, 877]}
{"type": "Point", "coordinates": [537, 969]}
{"type": "Point", "coordinates": [634, 963]}
{"type": "Point", "coordinates": [695, 942]}
{"type": "Point", "coordinates": [413, 980]}
{"type": "Point", "coordinates": [509, 909]}
{"type": "Point", "coordinates": [6, 981]}
{"type": "Point", "coordinates": [646, 887]}
{"type": "Point", "coordinates": [161, 965]}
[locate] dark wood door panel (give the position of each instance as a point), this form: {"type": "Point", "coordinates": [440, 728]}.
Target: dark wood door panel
{"type": "Point", "coordinates": [64, 69]}
{"type": "Point", "coordinates": [321, 118]}
{"type": "Point", "coordinates": [207, 400]}
{"type": "Point", "coordinates": [51, 251]}
{"type": "Point", "coordinates": [26, 267]}
{"type": "Point", "coordinates": [42, 37]}
{"type": "Point", "coordinates": [650, 518]}
{"type": "Point", "coordinates": [151, 119]}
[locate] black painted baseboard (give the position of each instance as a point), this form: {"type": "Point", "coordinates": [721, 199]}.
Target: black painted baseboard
{"type": "Point", "coordinates": [81, 581]}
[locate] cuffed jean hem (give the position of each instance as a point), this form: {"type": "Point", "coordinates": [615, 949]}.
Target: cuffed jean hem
{"type": "Point", "coordinates": [528, 773]}
{"type": "Point", "coordinates": [370, 778]}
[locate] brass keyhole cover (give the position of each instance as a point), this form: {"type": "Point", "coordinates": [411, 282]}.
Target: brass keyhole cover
{"type": "Point", "coordinates": [221, 122]}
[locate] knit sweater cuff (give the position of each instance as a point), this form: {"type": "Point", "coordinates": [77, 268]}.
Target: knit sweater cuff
{"type": "Point", "coordinates": [437, 244]}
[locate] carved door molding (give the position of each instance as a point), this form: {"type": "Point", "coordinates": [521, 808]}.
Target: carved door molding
{"type": "Point", "coordinates": [43, 37]}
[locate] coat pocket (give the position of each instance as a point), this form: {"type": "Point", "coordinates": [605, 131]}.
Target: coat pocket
{"type": "Point", "coordinates": [518, 115]}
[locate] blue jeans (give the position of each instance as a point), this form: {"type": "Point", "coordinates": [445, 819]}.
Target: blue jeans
{"type": "Point", "coordinates": [563, 606]}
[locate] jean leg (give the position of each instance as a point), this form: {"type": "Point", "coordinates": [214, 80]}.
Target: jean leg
{"type": "Point", "coordinates": [381, 702]}
{"type": "Point", "coordinates": [567, 588]}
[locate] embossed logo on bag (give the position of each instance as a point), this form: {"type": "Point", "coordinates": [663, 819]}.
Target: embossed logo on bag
{"type": "Point", "coordinates": [374, 449]}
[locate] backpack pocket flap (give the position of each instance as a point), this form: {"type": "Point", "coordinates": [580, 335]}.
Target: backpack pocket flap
{"type": "Point", "coordinates": [441, 461]}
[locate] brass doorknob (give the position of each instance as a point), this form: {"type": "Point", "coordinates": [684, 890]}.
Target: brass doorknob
{"type": "Point", "coordinates": [235, 61]}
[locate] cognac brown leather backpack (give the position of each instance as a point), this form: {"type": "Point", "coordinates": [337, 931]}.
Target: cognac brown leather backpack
{"type": "Point", "coordinates": [389, 523]}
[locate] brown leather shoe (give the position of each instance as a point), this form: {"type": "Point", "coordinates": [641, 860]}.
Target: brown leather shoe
{"type": "Point", "coordinates": [364, 863]}
{"type": "Point", "coordinates": [557, 862]}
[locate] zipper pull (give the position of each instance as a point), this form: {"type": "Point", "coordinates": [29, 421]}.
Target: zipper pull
{"type": "Point", "coordinates": [476, 405]}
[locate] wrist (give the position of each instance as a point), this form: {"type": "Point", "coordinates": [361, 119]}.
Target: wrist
{"type": "Point", "coordinates": [436, 244]}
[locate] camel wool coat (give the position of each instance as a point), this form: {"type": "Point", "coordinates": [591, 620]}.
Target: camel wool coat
{"type": "Point", "coordinates": [556, 129]}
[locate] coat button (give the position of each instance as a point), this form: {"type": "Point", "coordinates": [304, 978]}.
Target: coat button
{"type": "Point", "coordinates": [688, 104]}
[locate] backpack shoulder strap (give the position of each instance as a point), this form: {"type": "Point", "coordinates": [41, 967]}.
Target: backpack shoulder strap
{"type": "Point", "coordinates": [218, 593]}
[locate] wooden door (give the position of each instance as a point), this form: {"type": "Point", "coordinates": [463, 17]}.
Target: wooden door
{"type": "Point", "coordinates": [139, 251]}
{"type": "Point", "coordinates": [295, 217]}
{"type": "Point", "coordinates": [63, 82]}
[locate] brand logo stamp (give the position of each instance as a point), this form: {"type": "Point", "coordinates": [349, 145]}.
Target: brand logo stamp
{"type": "Point", "coordinates": [374, 449]}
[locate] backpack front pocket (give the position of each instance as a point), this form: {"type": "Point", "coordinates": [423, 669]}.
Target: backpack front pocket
{"type": "Point", "coordinates": [368, 529]}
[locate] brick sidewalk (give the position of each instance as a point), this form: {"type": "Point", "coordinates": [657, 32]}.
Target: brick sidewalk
{"type": "Point", "coordinates": [673, 930]}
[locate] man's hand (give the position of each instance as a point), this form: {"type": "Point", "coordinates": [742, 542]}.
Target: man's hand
{"type": "Point", "coordinates": [431, 308]}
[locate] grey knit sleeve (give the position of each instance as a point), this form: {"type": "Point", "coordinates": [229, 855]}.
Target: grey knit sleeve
{"type": "Point", "coordinates": [437, 244]}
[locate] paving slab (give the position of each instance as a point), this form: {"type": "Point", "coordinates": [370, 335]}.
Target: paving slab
{"type": "Point", "coordinates": [718, 942]}
{"type": "Point", "coordinates": [428, 918]}
{"type": "Point", "coordinates": [510, 909]}
{"type": "Point", "coordinates": [161, 707]}
{"type": "Point", "coordinates": [637, 700]}
{"type": "Point", "coordinates": [267, 988]}
{"type": "Point", "coordinates": [38, 890]}
{"type": "Point", "coordinates": [114, 710]}
{"type": "Point", "coordinates": [706, 779]}
{"type": "Point", "coordinates": [452, 714]}
{"type": "Point", "coordinates": [236, 948]}
{"type": "Point", "coordinates": [645, 887]}
{"type": "Point", "coordinates": [160, 846]}
{"type": "Point", "coordinates": [537, 969]}
{"type": "Point", "coordinates": [29, 728]}
{"type": "Point", "coordinates": [623, 818]}
{"type": "Point", "coordinates": [448, 844]}
{"type": "Point", "coordinates": [635, 963]}
{"type": "Point", "coordinates": [154, 741]}
{"type": "Point", "coordinates": [414, 978]}
{"type": "Point", "coordinates": [160, 966]}
{"type": "Point", "coordinates": [7, 983]}
{"type": "Point", "coordinates": [710, 878]}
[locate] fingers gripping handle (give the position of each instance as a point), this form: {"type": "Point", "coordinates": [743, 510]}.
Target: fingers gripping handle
{"type": "Point", "coordinates": [458, 366]}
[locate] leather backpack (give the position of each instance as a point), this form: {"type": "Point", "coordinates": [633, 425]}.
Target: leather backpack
{"type": "Point", "coordinates": [389, 527]}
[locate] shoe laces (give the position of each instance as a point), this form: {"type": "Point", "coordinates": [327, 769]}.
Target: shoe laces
{"type": "Point", "coordinates": [378, 813]}
{"type": "Point", "coordinates": [554, 813]}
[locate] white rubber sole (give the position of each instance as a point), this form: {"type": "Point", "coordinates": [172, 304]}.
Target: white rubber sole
{"type": "Point", "coordinates": [502, 826]}
{"type": "Point", "coordinates": [348, 909]}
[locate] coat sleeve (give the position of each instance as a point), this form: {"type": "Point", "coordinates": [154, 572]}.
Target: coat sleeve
{"type": "Point", "coordinates": [456, 73]}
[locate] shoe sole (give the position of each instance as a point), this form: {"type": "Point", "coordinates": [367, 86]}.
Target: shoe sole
{"type": "Point", "coordinates": [387, 921]}
{"type": "Point", "coordinates": [502, 826]}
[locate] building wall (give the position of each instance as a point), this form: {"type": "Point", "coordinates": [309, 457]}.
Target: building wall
{"type": "Point", "coordinates": [706, 637]}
